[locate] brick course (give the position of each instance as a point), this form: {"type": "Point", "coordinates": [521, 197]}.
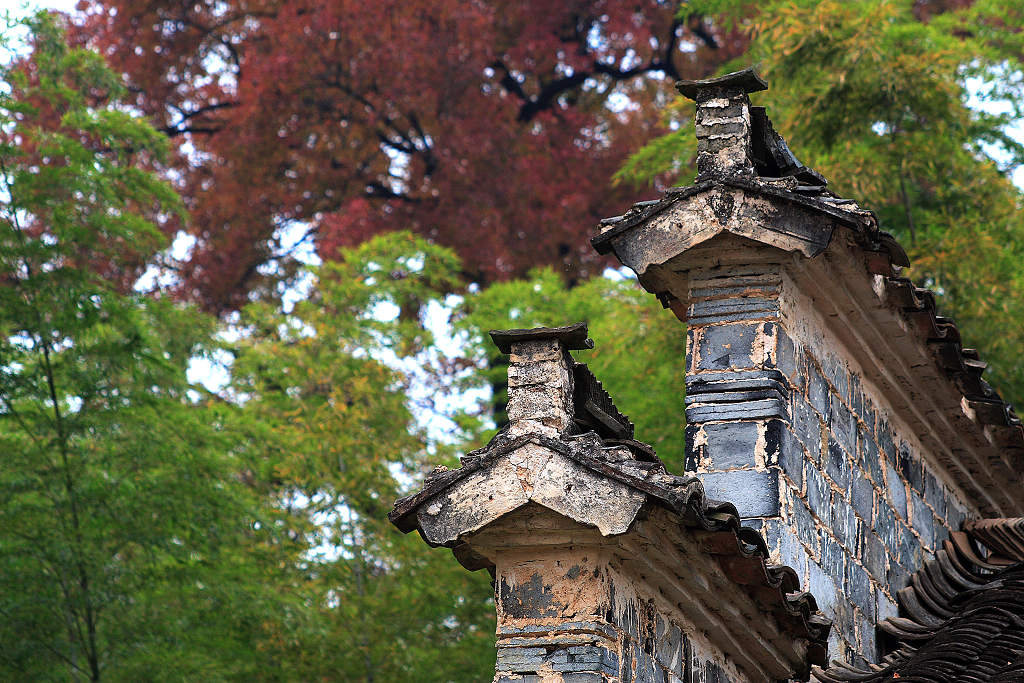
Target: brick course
{"type": "Point", "coordinates": [840, 491]}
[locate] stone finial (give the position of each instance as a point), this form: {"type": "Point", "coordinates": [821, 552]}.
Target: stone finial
{"type": "Point", "coordinates": [723, 123]}
{"type": "Point", "coordinates": [540, 376]}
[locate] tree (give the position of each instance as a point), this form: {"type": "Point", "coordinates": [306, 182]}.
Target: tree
{"type": "Point", "coordinates": [876, 95]}
{"type": "Point", "coordinates": [127, 545]}
{"type": "Point", "coordinates": [493, 128]}
{"type": "Point", "coordinates": [326, 401]}
{"type": "Point", "coordinates": [332, 436]}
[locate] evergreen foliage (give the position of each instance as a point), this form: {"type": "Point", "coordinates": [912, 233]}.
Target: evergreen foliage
{"type": "Point", "coordinates": [124, 534]}
{"type": "Point", "coordinates": [877, 96]}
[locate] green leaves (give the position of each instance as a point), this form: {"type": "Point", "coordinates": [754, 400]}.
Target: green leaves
{"type": "Point", "coordinates": [123, 519]}
{"type": "Point", "coordinates": [330, 432]}
{"type": "Point", "coordinates": [875, 95]}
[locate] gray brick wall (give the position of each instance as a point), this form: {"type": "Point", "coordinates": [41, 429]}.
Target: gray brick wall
{"type": "Point", "coordinates": [797, 442]}
{"type": "Point", "coordinates": [653, 650]}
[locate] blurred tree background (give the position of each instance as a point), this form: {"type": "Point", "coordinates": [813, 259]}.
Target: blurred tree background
{"type": "Point", "coordinates": [319, 207]}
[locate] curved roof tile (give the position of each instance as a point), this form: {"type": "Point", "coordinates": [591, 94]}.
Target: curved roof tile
{"type": "Point", "coordinates": [964, 614]}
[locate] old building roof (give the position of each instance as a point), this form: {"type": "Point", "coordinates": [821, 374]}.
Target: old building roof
{"type": "Point", "coordinates": [610, 480]}
{"type": "Point", "coordinates": [784, 204]}
{"type": "Point", "coordinates": [964, 614]}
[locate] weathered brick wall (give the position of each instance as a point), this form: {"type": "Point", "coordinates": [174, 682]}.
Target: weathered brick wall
{"type": "Point", "coordinates": [782, 422]}
{"type": "Point", "coordinates": [570, 611]}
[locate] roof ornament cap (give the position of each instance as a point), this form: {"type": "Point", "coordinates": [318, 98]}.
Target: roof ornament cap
{"type": "Point", "coordinates": [745, 81]}
{"type": "Point", "coordinates": [572, 337]}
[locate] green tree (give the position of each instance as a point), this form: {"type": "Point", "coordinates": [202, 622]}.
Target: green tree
{"type": "Point", "coordinates": [332, 436]}
{"type": "Point", "coordinates": [127, 544]}
{"type": "Point", "coordinates": [876, 95]}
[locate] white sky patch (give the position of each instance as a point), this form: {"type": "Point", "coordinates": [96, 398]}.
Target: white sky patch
{"type": "Point", "coordinates": [432, 394]}
{"type": "Point", "coordinates": [17, 44]}
{"type": "Point", "coordinates": [213, 373]}
{"type": "Point", "coordinates": [980, 98]}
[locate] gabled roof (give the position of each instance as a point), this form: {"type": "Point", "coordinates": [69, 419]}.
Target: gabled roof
{"type": "Point", "coordinates": [964, 614]}
{"type": "Point", "coordinates": [741, 551]}
{"type": "Point", "coordinates": [788, 206]}
{"type": "Point", "coordinates": [596, 474]}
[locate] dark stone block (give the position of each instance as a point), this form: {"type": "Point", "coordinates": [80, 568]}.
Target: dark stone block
{"type": "Point", "coordinates": [646, 669]}
{"type": "Point", "coordinates": [727, 346]}
{"type": "Point", "coordinates": [583, 677]}
{"type": "Point", "coordinates": [934, 495]}
{"type": "Point", "coordinates": [884, 607]}
{"type": "Point", "coordinates": [909, 551]}
{"type": "Point", "coordinates": [833, 559]}
{"type": "Point", "coordinates": [528, 599]}
{"type": "Point", "coordinates": [846, 618]}
{"type": "Point", "coordinates": [610, 661]}
{"type": "Point", "coordinates": [843, 426]}
{"type": "Point", "coordinates": [794, 554]}
{"type": "Point", "coordinates": [866, 631]}
{"type": "Point", "coordinates": [773, 441]}
{"type": "Point", "coordinates": [743, 410]}
{"type": "Point", "coordinates": [805, 527]}
{"type": "Point", "coordinates": [739, 382]}
{"type": "Point", "coordinates": [791, 457]}
{"type": "Point", "coordinates": [941, 533]}
{"type": "Point", "coordinates": [693, 455]}
{"type": "Point", "coordinates": [895, 491]}
{"type": "Point", "coordinates": [844, 523]}
{"type": "Point", "coordinates": [818, 494]}
{"type": "Point", "coordinates": [863, 494]}
{"type": "Point", "coordinates": [739, 308]}
{"type": "Point", "coordinates": [870, 460]}
{"type": "Point", "coordinates": [689, 350]}
{"type": "Point", "coordinates": [755, 494]}
{"type": "Point", "coordinates": [885, 442]}
{"type": "Point", "coordinates": [772, 529]}
{"type": "Point", "coordinates": [713, 673]}
{"type": "Point", "coordinates": [856, 397]}
{"type": "Point", "coordinates": [835, 372]}
{"type": "Point", "coordinates": [731, 444]}
{"type": "Point", "coordinates": [910, 468]}
{"type": "Point", "coordinates": [786, 357]}
{"type": "Point", "coordinates": [922, 520]}
{"type": "Point", "coordinates": [837, 466]}
{"type": "Point", "coordinates": [817, 390]}
{"type": "Point", "coordinates": [885, 525]}
{"type": "Point", "coordinates": [873, 554]}
{"type": "Point", "coordinates": [823, 588]}
{"type": "Point", "coordinates": [735, 395]}
{"type": "Point", "coordinates": [898, 576]}
{"type": "Point", "coordinates": [853, 526]}
{"type": "Point", "coordinates": [955, 516]}
{"type": "Point", "coordinates": [861, 593]}
{"type": "Point", "coordinates": [669, 649]}
{"type": "Point", "coordinates": [806, 425]}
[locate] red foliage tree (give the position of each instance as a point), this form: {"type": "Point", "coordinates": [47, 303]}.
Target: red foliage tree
{"type": "Point", "coordinates": [492, 127]}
